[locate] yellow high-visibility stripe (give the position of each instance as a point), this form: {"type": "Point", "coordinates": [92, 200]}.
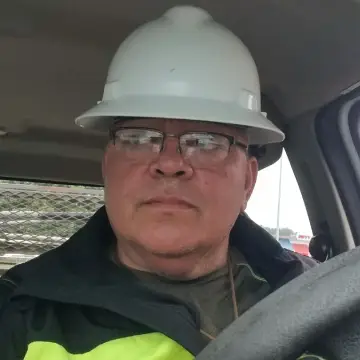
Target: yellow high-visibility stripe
{"type": "Point", "coordinates": [153, 346]}
{"type": "Point", "coordinates": [310, 357]}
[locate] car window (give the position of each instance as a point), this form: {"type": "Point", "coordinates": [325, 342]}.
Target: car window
{"type": "Point", "coordinates": [277, 205]}
{"type": "Point", "coordinates": [37, 217]}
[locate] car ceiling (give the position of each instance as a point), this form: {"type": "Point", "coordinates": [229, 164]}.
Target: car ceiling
{"type": "Point", "coordinates": [55, 54]}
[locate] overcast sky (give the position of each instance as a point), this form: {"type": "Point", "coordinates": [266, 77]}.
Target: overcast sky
{"type": "Point", "coordinates": [263, 205]}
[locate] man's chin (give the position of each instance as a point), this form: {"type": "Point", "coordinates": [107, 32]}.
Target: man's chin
{"type": "Point", "coordinates": [166, 247]}
{"type": "Point", "coordinates": [165, 234]}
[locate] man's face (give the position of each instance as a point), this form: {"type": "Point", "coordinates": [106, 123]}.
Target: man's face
{"type": "Point", "coordinates": [165, 204]}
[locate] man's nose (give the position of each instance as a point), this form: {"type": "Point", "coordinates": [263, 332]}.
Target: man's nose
{"type": "Point", "coordinates": [170, 162]}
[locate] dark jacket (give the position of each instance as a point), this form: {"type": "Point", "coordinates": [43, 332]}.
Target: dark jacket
{"type": "Point", "coordinates": [73, 300]}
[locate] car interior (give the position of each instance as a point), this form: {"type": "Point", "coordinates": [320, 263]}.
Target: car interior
{"type": "Point", "coordinates": [53, 65]}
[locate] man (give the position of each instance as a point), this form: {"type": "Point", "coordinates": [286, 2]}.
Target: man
{"type": "Point", "coordinates": [172, 259]}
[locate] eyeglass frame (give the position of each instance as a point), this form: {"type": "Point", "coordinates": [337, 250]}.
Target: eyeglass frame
{"type": "Point", "coordinates": [232, 139]}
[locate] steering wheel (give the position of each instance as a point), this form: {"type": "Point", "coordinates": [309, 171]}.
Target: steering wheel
{"type": "Point", "coordinates": [319, 311]}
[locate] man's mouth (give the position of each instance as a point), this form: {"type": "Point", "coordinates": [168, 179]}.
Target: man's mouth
{"type": "Point", "coordinates": [169, 202]}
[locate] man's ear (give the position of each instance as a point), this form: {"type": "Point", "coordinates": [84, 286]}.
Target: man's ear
{"type": "Point", "coordinates": [250, 180]}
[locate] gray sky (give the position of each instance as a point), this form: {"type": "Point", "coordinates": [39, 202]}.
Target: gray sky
{"type": "Point", "coordinates": [262, 206]}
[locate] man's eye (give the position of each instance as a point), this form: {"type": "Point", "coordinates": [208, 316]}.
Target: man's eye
{"type": "Point", "coordinates": [138, 137]}
{"type": "Point", "coordinates": [131, 140]}
{"type": "Point", "coordinates": [156, 140]}
{"type": "Point", "coordinates": [202, 142]}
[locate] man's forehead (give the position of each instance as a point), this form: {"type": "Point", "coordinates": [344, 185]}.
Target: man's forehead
{"type": "Point", "coordinates": [180, 125]}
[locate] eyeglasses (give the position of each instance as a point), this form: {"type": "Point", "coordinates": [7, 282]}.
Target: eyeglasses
{"type": "Point", "coordinates": [198, 147]}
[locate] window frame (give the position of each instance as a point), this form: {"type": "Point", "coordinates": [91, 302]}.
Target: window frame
{"type": "Point", "coordinates": [334, 127]}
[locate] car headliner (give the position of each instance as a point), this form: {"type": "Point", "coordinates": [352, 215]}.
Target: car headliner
{"type": "Point", "coordinates": [55, 54]}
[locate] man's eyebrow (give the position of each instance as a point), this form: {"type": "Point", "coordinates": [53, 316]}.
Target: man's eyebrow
{"type": "Point", "coordinates": [242, 131]}
{"type": "Point", "coordinates": [120, 120]}
{"type": "Point", "coordinates": [237, 128]}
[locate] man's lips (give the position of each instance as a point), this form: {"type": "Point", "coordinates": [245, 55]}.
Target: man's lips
{"type": "Point", "coordinates": [169, 201]}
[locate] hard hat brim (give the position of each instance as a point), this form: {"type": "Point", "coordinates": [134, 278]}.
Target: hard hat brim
{"type": "Point", "coordinates": [261, 131]}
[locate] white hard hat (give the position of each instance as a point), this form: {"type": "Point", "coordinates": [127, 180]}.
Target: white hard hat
{"type": "Point", "coordinates": [184, 65]}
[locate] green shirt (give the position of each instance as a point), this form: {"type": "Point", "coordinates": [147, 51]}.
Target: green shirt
{"type": "Point", "coordinates": [211, 294]}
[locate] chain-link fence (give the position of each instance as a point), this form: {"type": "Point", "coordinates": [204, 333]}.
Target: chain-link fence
{"type": "Point", "coordinates": [38, 217]}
